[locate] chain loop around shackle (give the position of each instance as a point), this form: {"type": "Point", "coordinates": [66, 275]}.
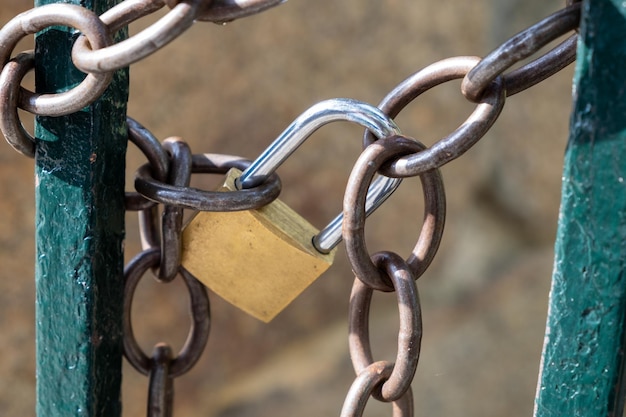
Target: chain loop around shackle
{"type": "Point", "coordinates": [40, 18]}
{"type": "Point", "coordinates": [196, 199]}
{"type": "Point", "coordinates": [363, 386]}
{"type": "Point", "coordinates": [199, 311]}
{"type": "Point", "coordinates": [521, 46]}
{"type": "Point", "coordinates": [366, 167]}
{"type": "Point", "coordinates": [301, 129]}
{"type": "Point", "coordinates": [409, 335]}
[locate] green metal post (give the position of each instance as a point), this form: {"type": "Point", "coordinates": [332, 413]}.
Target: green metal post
{"type": "Point", "coordinates": [583, 357]}
{"type": "Point", "coordinates": [80, 163]}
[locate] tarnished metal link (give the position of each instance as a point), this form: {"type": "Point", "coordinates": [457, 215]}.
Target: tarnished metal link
{"type": "Point", "coordinates": [161, 389]}
{"type": "Point", "coordinates": [363, 386]}
{"type": "Point", "coordinates": [541, 68]}
{"type": "Point", "coordinates": [148, 211]}
{"type": "Point", "coordinates": [157, 157]}
{"type": "Point", "coordinates": [459, 141]}
{"type": "Point", "coordinates": [195, 199]}
{"type": "Point", "coordinates": [150, 228]}
{"type": "Point", "coordinates": [90, 59]}
{"type": "Point", "coordinates": [125, 13]}
{"type": "Point", "coordinates": [172, 218]}
{"type": "Point", "coordinates": [39, 18]}
{"type": "Point", "coordinates": [354, 216]}
{"type": "Point", "coordinates": [199, 311]}
{"type": "Point", "coordinates": [520, 46]}
{"type": "Point", "coordinates": [409, 335]}
{"type": "Point", "coordinates": [222, 11]}
{"type": "Point", "coordinates": [301, 129]}
{"type": "Point", "coordinates": [10, 124]}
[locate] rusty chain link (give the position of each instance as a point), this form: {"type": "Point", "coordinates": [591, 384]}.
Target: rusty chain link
{"type": "Point", "coordinates": [162, 184]}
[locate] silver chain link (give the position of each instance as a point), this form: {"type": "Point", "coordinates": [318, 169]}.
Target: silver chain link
{"type": "Point", "coordinates": [164, 180]}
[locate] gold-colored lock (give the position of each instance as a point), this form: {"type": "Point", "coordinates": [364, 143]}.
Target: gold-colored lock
{"type": "Point", "coordinates": [258, 260]}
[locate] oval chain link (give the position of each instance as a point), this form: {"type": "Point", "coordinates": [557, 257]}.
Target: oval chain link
{"type": "Point", "coordinates": [40, 18]}
{"type": "Point", "coordinates": [172, 218]}
{"type": "Point", "coordinates": [409, 335]}
{"type": "Point", "coordinates": [199, 310]}
{"type": "Point", "coordinates": [91, 59]}
{"type": "Point", "coordinates": [10, 125]}
{"type": "Point", "coordinates": [427, 244]}
{"type": "Point", "coordinates": [157, 157]}
{"type": "Point", "coordinates": [363, 386]}
{"type": "Point", "coordinates": [161, 388]}
{"type": "Point", "coordinates": [459, 141]}
{"type": "Point", "coordinates": [520, 46]}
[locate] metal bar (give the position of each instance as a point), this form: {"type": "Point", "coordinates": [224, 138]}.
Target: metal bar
{"type": "Point", "coordinates": [80, 164]}
{"type": "Point", "coordinates": [583, 357]}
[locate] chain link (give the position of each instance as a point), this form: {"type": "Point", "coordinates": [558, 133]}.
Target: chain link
{"type": "Point", "coordinates": [162, 184]}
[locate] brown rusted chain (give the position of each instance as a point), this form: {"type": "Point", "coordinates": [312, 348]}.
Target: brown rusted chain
{"type": "Point", "coordinates": [161, 388]}
{"type": "Point", "coordinates": [541, 68]}
{"type": "Point", "coordinates": [156, 156]}
{"type": "Point", "coordinates": [409, 335]}
{"type": "Point", "coordinates": [95, 60]}
{"type": "Point", "coordinates": [354, 211]}
{"type": "Point", "coordinates": [10, 125]}
{"type": "Point", "coordinates": [172, 218]}
{"type": "Point", "coordinates": [222, 11]}
{"type": "Point", "coordinates": [199, 311]}
{"type": "Point", "coordinates": [196, 199]}
{"type": "Point", "coordinates": [459, 141]}
{"type": "Point", "coordinates": [517, 48]}
{"type": "Point", "coordinates": [363, 386]}
{"type": "Point", "coordinates": [40, 18]}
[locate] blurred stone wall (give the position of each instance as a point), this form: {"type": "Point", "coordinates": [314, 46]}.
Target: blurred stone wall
{"type": "Point", "coordinates": [233, 89]}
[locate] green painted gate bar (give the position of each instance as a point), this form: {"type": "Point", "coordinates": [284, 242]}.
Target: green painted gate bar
{"type": "Point", "coordinates": [583, 358]}
{"type": "Point", "coordinates": [80, 165]}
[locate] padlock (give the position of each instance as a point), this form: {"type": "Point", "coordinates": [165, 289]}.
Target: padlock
{"type": "Point", "coordinates": [261, 260]}
{"type": "Point", "coordinates": [258, 260]}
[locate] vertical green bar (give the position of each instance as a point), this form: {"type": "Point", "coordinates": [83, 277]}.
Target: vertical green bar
{"type": "Point", "coordinates": [583, 357]}
{"type": "Point", "coordinates": [80, 164]}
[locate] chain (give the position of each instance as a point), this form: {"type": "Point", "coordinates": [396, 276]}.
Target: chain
{"type": "Point", "coordinates": [162, 184]}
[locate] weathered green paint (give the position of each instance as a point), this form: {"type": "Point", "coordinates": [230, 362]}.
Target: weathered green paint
{"type": "Point", "coordinates": [80, 164]}
{"type": "Point", "coordinates": [583, 358]}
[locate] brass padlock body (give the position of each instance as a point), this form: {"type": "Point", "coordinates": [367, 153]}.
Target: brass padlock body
{"type": "Point", "coordinates": [258, 260]}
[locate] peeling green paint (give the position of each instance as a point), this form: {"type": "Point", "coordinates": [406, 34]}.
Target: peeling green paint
{"type": "Point", "coordinates": [80, 165]}
{"type": "Point", "coordinates": [583, 358]}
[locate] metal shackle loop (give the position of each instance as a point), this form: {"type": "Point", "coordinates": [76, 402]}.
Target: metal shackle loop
{"type": "Point", "coordinates": [322, 113]}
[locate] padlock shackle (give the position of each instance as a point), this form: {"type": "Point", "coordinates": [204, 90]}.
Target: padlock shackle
{"type": "Point", "coordinates": [320, 114]}
{"type": "Point", "coordinates": [380, 189]}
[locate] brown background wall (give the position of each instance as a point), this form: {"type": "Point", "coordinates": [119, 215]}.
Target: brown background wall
{"type": "Point", "coordinates": [233, 89]}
